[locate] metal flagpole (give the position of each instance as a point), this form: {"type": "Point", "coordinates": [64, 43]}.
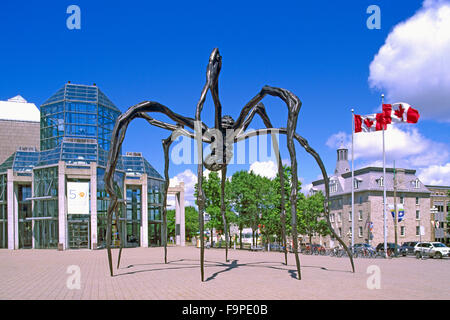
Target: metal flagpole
{"type": "Point", "coordinates": [353, 181]}
{"type": "Point", "coordinates": [384, 187]}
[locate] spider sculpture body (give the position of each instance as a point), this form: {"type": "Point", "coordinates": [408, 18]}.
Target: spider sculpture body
{"type": "Point", "coordinates": [222, 136]}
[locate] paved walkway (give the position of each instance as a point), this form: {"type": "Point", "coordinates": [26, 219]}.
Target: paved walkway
{"type": "Point", "coordinates": [42, 274]}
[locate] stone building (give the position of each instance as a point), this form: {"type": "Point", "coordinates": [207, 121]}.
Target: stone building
{"type": "Point", "coordinates": [440, 202]}
{"type": "Point", "coordinates": [411, 195]}
{"type": "Point", "coordinates": [19, 126]}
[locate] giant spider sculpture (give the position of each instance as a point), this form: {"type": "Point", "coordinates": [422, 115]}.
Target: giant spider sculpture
{"type": "Point", "coordinates": [225, 133]}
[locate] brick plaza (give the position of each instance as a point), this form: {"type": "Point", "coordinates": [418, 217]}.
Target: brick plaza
{"type": "Point", "coordinates": [42, 274]}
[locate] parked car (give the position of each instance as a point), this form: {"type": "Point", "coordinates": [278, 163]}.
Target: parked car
{"type": "Point", "coordinates": [362, 246]}
{"type": "Point", "coordinates": [431, 249]}
{"type": "Point", "coordinates": [407, 248]}
{"type": "Point", "coordinates": [390, 247]}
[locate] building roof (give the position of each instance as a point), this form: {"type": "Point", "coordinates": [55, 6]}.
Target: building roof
{"type": "Point", "coordinates": [21, 161]}
{"type": "Point", "coordinates": [370, 179]}
{"type": "Point", "coordinates": [81, 93]}
{"type": "Point", "coordinates": [18, 109]}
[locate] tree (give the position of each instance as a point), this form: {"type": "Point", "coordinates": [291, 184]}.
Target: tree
{"type": "Point", "coordinates": [190, 222]}
{"type": "Point", "coordinates": [310, 217]}
{"type": "Point", "coordinates": [212, 190]}
{"type": "Point", "coordinates": [243, 199]}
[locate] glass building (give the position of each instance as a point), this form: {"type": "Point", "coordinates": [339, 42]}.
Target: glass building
{"type": "Point", "coordinates": [55, 198]}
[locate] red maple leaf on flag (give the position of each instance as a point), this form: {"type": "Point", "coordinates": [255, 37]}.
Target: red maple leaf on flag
{"type": "Point", "coordinates": [368, 122]}
{"type": "Point", "coordinates": [399, 112]}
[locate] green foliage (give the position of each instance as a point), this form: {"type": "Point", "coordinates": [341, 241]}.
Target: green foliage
{"type": "Point", "coordinates": [310, 215]}
{"type": "Point", "coordinates": [254, 202]}
{"type": "Point", "coordinates": [212, 190]}
{"type": "Point", "coordinates": [190, 220]}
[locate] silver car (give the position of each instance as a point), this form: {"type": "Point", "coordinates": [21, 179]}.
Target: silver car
{"type": "Point", "coordinates": [431, 249]}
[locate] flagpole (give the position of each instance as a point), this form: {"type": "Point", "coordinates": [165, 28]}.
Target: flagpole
{"type": "Point", "coordinates": [384, 187]}
{"type": "Point", "coordinates": [353, 181]}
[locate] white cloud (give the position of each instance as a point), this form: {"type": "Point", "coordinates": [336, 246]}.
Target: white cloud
{"type": "Point", "coordinates": [268, 169]}
{"type": "Point", "coordinates": [436, 175]}
{"type": "Point", "coordinates": [189, 179]}
{"type": "Point", "coordinates": [413, 65]}
{"type": "Point", "coordinates": [404, 144]}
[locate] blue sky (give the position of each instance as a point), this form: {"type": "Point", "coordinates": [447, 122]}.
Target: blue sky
{"type": "Point", "coordinates": [155, 50]}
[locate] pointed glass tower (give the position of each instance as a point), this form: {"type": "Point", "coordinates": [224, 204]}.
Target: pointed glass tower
{"type": "Point", "coordinates": [77, 111]}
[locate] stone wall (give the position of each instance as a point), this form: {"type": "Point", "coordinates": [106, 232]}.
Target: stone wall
{"type": "Point", "coordinates": [14, 134]}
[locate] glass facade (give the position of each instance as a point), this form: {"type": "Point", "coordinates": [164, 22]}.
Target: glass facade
{"type": "Point", "coordinates": [155, 199]}
{"type": "Point", "coordinates": [45, 210]}
{"type": "Point", "coordinates": [102, 208]}
{"type": "Point", "coordinates": [25, 215]}
{"type": "Point", "coordinates": [75, 131]}
{"type": "Point", "coordinates": [132, 232]}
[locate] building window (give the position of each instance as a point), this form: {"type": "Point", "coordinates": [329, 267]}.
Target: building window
{"type": "Point", "coordinates": [417, 231]}
{"type": "Point", "coordinates": [349, 216]}
{"type": "Point", "coordinates": [333, 186]}
{"type": "Point", "coordinates": [340, 232]}
{"type": "Point", "coordinates": [332, 217]}
{"type": "Point", "coordinates": [402, 230]}
{"type": "Point", "coordinates": [360, 200]}
{"type": "Point", "coordinates": [440, 208]}
{"type": "Point", "coordinates": [416, 184]}
{"type": "Point", "coordinates": [339, 216]}
{"type": "Point", "coordinates": [360, 233]}
{"type": "Point", "coordinates": [356, 183]}
{"type": "Point", "coordinates": [417, 200]}
{"type": "Point", "coordinates": [417, 214]}
{"type": "Point", "coordinates": [381, 181]}
{"type": "Point", "coordinates": [402, 200]}
{"type": "Point", "coordinates": [360, 216]}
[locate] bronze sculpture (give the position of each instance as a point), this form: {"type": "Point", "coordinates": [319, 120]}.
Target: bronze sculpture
{"type": "Point", "coordinates": [226, 132]}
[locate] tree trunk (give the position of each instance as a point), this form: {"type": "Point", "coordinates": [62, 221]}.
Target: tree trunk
{"type": "Point", "coordinates": [240, 237]}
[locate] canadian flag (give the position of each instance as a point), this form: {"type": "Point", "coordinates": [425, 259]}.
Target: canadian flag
{"type": "Point", "coordinates": [400, 112]}
{"type": "Point", "coordinates": [369, 123]}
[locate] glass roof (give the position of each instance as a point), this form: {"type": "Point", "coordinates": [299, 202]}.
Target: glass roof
{"type": "Point", "coordinates": [77, 154]}
{"type": "Point", "coordinates": [20, 161]}
{"type": "Point", "coordinates": [83, 93]}
{"type": "Point", "coordinates": [137, 165]}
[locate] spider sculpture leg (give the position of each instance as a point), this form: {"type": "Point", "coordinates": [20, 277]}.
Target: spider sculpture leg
{"type": "Point", "coordinates": [117, 137]}
{"type": "Point", "coordinates": [119, 225]}
{"type": "Point", "coordinates": [212, 75]}
{"type": "Point", "coordinates": [304, 143]}
{"type": "Point", "coordinates": [261, 111]}
{"type": "Point", "coordinates": [293, 104]}
{"type": "Point", "coordinates": [166, 145]}
{"type": "Point", "coordinates": [223, 210]}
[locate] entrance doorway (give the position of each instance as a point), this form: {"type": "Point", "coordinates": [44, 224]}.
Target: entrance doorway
{"type": "Point", "coordinates": [79, 231]}
{"type": "Point", "coordinates": [154, 234]}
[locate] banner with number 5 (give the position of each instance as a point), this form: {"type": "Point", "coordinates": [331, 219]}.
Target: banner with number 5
{"type": "Point", "coordinates": [78, 197]}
